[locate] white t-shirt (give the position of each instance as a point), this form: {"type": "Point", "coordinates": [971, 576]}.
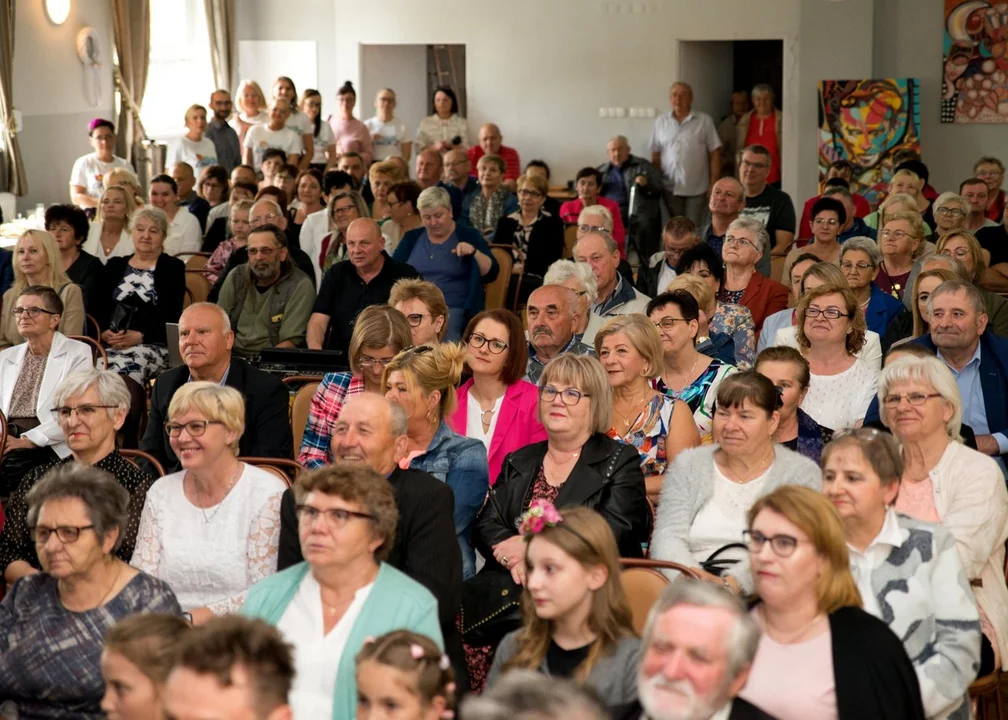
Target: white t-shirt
{"type": "Point", "coordinates": [198, 154]}
{"type": "Point", "coordinates": [261, 118]}
{"type": "Point", "coordinates": [300, 122]}
{"type": "Point", "coordinates": [392, 135]}
{"type": "Point", "coordinates": [123, 248]}
{"type": "Point", "coordinates": [722, 519]}
{"type": "Point", "coordinates": [184, 234]}
{"type": "Point", "coordinates": [260, 137]}
{"type": "Point", "coordinates": [324, 139]}
{"type": "Point", "coordinates": [839, 401]}
{"type": "Point", "coordinates": [88, 172]}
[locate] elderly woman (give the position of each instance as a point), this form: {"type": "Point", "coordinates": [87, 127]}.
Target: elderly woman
{"type": "Point", "coordinates": [381, 177]}
{"type": "Point", "coordinates": [536, 236]}
{"type": "Point", "coordinates": [579, 278]}
{"type": "Point", "coordinates": [344, 593]}
{"type": "Point", "coordinates": [238, 218]}
{"type": "Point", "coordinates": [763, 125]}
{"type": "Point", "coordinates": [323, 141]}
{"type": "Point", "coordinates": [52, 623]}
{"type": "Point", "coordinates": [950, 212]}
{"type": "Point", "coordinates": [904, 191]}
{"type": "Point", "coordinates": [496, 406]}
{"type": "Point", "coordinates": [422, 381]}
{"type": "Point", "coordinates": [745, 242]}
{"type": "Point", "coordinates": [194, 147]}
{"type": "Point", "coordinates": [126, 179]}
{"type": "Point", "coordinates": [908, 571]}
{"type": "Point", "coordinates": [446, 128]}
{"type": "Point", "coordinates": [211, 530]}
{"type": "Point", "coordinates": [831, 331]}
{"type": "Point", "coordinates": [453, 257]}
{"type": "Point", "coordinates": [423, 305]}
{"type": "Point", "coordinates": [37, 263]}
{"type": "Point", "coordinates": [403, 215]}
{"type": "Point", "coordinates": [29, 373]}
{"type": "Point", "coordinates": [142, 292]}
{"type": "Point", "coordinates": [631, 349]}
{"type": "Point", "coordinates": [109, 234]}
{"type": "Point", "coordinates": [380, 333]}
{"type": "Point", "coordinates": [820, 654]}
{"type": "Point", "coordinates": [945, 482]}
{"type": "Point", "coordinates": [68, 225]}
{"type": "Point", "coordinates": [88, 170]}
{"type": "Point", "coordinates": [899, 240]}
{"type": "Point", "coordinates": [708, 491]}
{"type": "Point", "coordinates": [828, 216]}
{"type": "Point", "coordinates": [860, 262]}
{"type": "Point", "coordinates": [687, 374]}
{"type": "Point", "coordinates": [91, 406]}
{"type": "Point", "coordinates": [789, 371]}
{"type": "Point", "coordinates": [485, 208]}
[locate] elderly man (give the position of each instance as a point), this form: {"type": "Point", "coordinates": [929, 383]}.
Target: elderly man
{"type": "Point", "coordinates": [429, 170]}
{"type": "Point", "coordinates": [765, 203]}
{"type": "Point", "coordinates": [678, 236]}
{"type": "Point", "coordinates": [838, 170]}
{"type": "Point", "coordinates": [269, 300]}
{"type": "Point", "coordinates": [205, 343]}
{"type": "Point", "coordinates": [686, 146]}
{"type": "Point", "coordinates": [991, 235]}
{"type": "Point", "coordinates": [628, 177]}
{"type": "Point", "coordinates": [223, 136]}
{"type": "Point", "coordinates": [698, 647]}
{"type": "Point", "coordinates": [728, 128]}
{"type": "Point", "coordinates": [552, 315]}
{"type": "Point", "coordinates": [456, 172]}
{"type": "Point", "coordinates": [182, 174]}
{"type": "Point", "coordinates": [616, 294]}
{"type": "Point", "coordinates": [727, 199]}
{"type": "Point", "coordinates": [991, 171]}
{"type": "Point", "coordinates": [184, 234]}
{"type": "Point", "coordinates": [365, 278]}
{"type": "Point", "coordinates": [490, 144]}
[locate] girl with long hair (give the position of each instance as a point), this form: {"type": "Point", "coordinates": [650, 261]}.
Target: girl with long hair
{"type": "Point", "coordinates": [324, 151]}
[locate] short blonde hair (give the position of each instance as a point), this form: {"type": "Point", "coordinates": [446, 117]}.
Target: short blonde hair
{"type": "Point", "coordinates": [430, 369]}
{"type": "Point", "coordinates": [979, 263]}
{"type": "Point", "coordinates": [585, 373]}
{"type": "Point", "coordinates": [927, 371]}
{"type": "Point", "coordinates": [378, 326]}
{"type": "Point", "coordinates": [534, 182]}
{"type": "Point", "coordinates": [855, 338]}
{"type": "Point", "coordinates": [908, 174]}
{"type": "Point", "coordinates": [191, 109]}
{"type": "Point", "coordinates": [643, 336]}
{"type": "Point", "coordinates": [914, 218]}
{"type": "Point", "coordinates": [698, 288]}
{"type": "Point", "coordinates": [216, 403]}
{"type": "Point", "coordinates": [127, 198]}
{"type": "Point", "coordinates": [254, 86]}
{"type": "Point", "coordinates": [386, 169]}
{"type": "Point", "coordinates": [426, 292]}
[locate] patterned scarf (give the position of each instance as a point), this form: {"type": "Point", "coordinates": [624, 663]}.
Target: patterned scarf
{"type": "Point", "coordinates": [484, 213]}
{"type": "Point", "coordinates": [333, 250]}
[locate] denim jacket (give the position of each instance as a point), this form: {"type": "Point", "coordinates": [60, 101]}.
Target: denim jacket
{"type": "Point", "coordinates": [461, 463]}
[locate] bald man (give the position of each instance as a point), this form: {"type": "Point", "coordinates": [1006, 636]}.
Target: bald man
{"type": "Point", "coordinates": [627, 175]}
{"type": "Point", "coordinates": [490, 144]}
{"type": "Point", "coordinates": [184, 177]}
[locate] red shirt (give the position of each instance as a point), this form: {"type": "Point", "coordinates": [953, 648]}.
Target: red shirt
{"type": "Point", "coordinates": [763, 131]}
{"type": "Point", "coordinates": [508, 155]}
{"type": "Point", "coordinates": [570, 210]}
{"type": "Point", "coordinates": [861, 209]}
{"type": "Point", "coordinates": [996, 211]}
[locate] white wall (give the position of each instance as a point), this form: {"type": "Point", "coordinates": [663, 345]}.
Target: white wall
{"type": "Point", "coordinates": [708, 67]}
{"type": "Point", "coordinates": [402, 68]}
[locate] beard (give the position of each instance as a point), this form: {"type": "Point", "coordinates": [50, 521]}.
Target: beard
{"type": "Point", "coordinates": [691, 708]}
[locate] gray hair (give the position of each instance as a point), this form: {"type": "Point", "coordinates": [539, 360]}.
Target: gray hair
{"type": "Point", "coordinates": [155, 215]}
{"type": "Point", "coordinates": [396, 418]}
{"type": "Point", "coordinates": [433, 198]}
{"type": "Point", "coordinates": [110, 386]}
{"type": "Point", "coordinates": [106, 500]}
{"type": "Point", "coordinates": [528, 695]}
{"type": "Point", "coordinates": [950, 197]}
{"type": "Point", "coordinates": [865, 245]}
{"type": "Point", "coordinates": [952, 263]}
{"type": "Point", "coordinates": [601, 211]}
{"type": "Point", "coordinates": [950, 287]}
{"type": "Point", "coordinates": [266, 200]}
{"type": "Point", "coordinates": [840, 190]}
{"type": "Point", "coordinates": [742, 641]}
{"type": "Point", "coordinates": [607, 239]}
{"type": "Point", "coordinates": [760, 88]}
{"type": "Point", "coordinates": [620, 139]}
{"type": "Point", "coordinates": [221, 312]}
{"type": "Point", "coordinates": [926, 371]}
{"type": "Point", "coordinates": [563, 270]}
{"type": "Point", "coordinates": [758, 229]}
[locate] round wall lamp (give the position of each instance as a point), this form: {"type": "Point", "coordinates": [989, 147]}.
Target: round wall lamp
{"type": "Point", "coordinates": [57, 11]}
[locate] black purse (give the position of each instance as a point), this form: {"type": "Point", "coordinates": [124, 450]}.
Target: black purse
{"type": "Point", "coordinates": [122, 316]}
{"type": "Point", "coordinates": [491, 607]}
{"type": "Point", "coordinates": [719, 565]}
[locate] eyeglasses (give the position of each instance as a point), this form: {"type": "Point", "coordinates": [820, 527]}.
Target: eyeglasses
{"type": "Point", "coordinates": [570, 396]}
{"type": "Point", "coordinates": [495, 346]}
{"type": "Point", "coordinates": [32, 312]}
{"type": "Point", "coordinates": [344, 209]}
{"type": "Point", "coordinates": [67, 534]}
{"type": "Point", "coordinates": [989, 173]}
{"type": "Point", "coordinates": [264, 251]}
{"type": "Point", "coordinates": [783, 546]}
{"type": "Point", "coordinates": [335, 518]}
{"type": "Point", "coordinates": [84, 412]}
{"type": "Point", "coordinates": [861, 266]}
{"type": "Point", "coordinates": [960, 253]}
{"type": "Point", "coordinates": [368, 361]}
{"type": "Point", "coordinates": [949, 212]}
{"type": "Point", "coordinates": [898, 234]}
{"type": "Point", "coordinates": [732, 240]}
{"type": "Point", "coordinates": [758, 166]}
{"type": "Point", "coordinates": [667, 323]}
{"type": "Point", "coordinates": [915, 399]}
{"type": "Point", "coordinates": [414, 319]}
{"type": "Point", "coordinates": [586, 228]}
{"type": "Point", "coordinates": [267, 219]}
{"type": "Point", "coordinates": [195, 428]}
{"type": "Point", "coordinates": [830, 313]}
{"type": "Point", "coordinates": [828, 222]}
{"type": "Point", "coordinates": [529, 193]}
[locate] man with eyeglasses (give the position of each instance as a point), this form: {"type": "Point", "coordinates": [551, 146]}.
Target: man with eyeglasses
{"type": "Point", "coordinates": [268, 300]}
{"type": "Point", "coordinates": [365, 278]}
{"type": "Point", "coordinates": [991, 171]}
{"type": "Point", "coordinates": [552, 315]}
{"type": "Point", "coordinates": [627, 176]}
{"type": "Point", "coordinates": [616, 294]}
{"type": "Point", "coordinates": [678, 236]}
{"type": "Point", "coordinates": [456, 173]}
{"type": "Point", "coordinates": [765, 203]}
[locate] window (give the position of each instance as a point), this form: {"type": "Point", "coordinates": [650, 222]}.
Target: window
{"type": "Point", "coordinates": [180, 72]}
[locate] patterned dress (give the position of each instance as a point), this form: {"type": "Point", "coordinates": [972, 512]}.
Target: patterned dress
{"type": "Point", "coordinates": [648, 433]}
{"type": "Point", "coordinates": [736, 321]}
{"type": "Point", "coordinates": [141, 362]}
{"type": "Point", "coordinates": [700, 395]}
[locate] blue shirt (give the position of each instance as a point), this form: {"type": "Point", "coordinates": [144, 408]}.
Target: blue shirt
{"type": "Point", "coordinates": [973, 409]}
{"type": "Point", "coordinates": [439, 265]}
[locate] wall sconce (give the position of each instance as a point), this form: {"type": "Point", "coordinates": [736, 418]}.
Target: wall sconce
{"type": "Point", "coordinates": [57, 11]}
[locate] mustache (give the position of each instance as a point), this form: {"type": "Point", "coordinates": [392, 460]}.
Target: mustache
{"type": "Point", "coordinates": [542, 330]}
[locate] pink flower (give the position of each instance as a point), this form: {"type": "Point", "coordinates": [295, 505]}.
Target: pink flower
{"type": "Point", "coordinates": [540, 515]}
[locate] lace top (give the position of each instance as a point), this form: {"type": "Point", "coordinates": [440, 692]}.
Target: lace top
{"type": "Point", "coordinates": [213, 561]}
{"type": "Point", "coordinates": [24, 397]}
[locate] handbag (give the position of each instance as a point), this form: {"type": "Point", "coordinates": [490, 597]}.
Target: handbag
{"type": "Point", "coordinates": [718, 565]}
{"type": "Point", "coordinates": [490, 607]}
{"type": "Point", "coordinates": [122, 316]}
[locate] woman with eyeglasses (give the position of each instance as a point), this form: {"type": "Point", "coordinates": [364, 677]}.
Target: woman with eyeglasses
{"type": "Point", "coordinates": [53, 622]}
{"type": "Point", "coordinates": [496, 406]}
{"type": "Point", "coordinates": [828, 216]}
{"type": "Point", "coordinates": [860, 260]}
{"type": "Point", "coordinates": [899, 240]}
{"type": "Point", "coordinates": [424, 308]}
{"type": "Point", "coordinates": [950, 211]}
{"type": "Point", "coordinates": [820, 654]}
{"type": "Point", "coordinates": [745, 242]}
{"type": "Point", "coordinates": [344, 207]}
{"type": "Point", "coordinates": [211, 530]}
{"type": "Point", "coordinates": [908, 571]}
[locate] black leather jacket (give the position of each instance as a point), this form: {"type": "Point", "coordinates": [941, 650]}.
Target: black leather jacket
{"type": "Point", "coordinates": [607, 478]}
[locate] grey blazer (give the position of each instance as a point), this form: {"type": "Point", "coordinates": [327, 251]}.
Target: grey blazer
{"type": "Point", "coordinates": [687, 487]}
{"type": "Point", "coordinates": [614, 676]}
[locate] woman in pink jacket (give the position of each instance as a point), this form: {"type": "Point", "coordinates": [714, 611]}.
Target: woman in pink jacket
{"type": "Point", "coordinates": [496, 406]}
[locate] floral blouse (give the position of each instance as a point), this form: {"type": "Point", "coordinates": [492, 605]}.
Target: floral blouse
{"type": "Point", "coordinates": [736, 321]}
{"type": "Point", "coordinates": [648, 434]}
{"type": "Point", "coordinates": [700, 395]}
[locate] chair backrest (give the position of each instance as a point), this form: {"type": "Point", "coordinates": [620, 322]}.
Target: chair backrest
{"type": "Point", "coordinates": [189, 254]}
{"type": "Point", "coordinates": [189, 298]}
{"type": "Point", "coordinates": [496, 292]}
{"type": "Point", "coordinates": [286, 470]}
{"type": "Point", "coordinates": [570, 239]}
{"type": "Point", "coordinates": [278, 472]}
{"type": "Point", "coordinates": [3, 432]}
{"type": "Point", "coordinates": [133, 455]}
{"type": "Point", "coordinates": [196, 261]}
{"type": "Point", "coordinates": [197, 283]}
{"type": "Point", "coordinates": [642, 587]}
{"type": "Point", "coordinates": [299, 412]}
{"type": "Point", "coordinates": [91, 327]}
{"type": "Point", "coordinates": [97, 351]}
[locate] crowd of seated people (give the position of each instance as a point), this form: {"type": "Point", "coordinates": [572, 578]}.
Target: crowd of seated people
{"type": "Point", "coordinates": [471, 478]}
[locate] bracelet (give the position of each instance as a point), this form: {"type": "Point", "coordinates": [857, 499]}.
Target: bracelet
{"type": "Point", "coordinates": [188, 617]}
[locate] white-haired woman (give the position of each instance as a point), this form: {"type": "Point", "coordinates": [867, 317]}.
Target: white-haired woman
{"type": "Point", "coordinates": [109, 234]}
{"type": "Point", "coordinates": [744, 244]}
{"type": "Point", "coordinates": [455, 258]}
{"type": "Point", "coordinates": [946, 482]}
{"type": "Point", "coordinates": [860, 260]}
{"type": "Point", "coordinates": [950, 213]}
{"type": "Point", "coordinates": [579, 278]}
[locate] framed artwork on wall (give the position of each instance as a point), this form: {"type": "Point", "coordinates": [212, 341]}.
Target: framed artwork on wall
{"type": "Point", "coordinates": [975, 58]}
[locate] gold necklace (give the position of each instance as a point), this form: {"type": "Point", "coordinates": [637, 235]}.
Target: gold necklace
{"type": "Point", "coordinates": [199, 500]}
{"type": "Point", "coordinates": [628, 420]}
{"type": "Point", "coordinates": [686, 376]}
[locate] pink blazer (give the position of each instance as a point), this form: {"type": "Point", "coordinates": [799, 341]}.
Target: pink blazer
{"type": "Point", "coordinates": [517, 426]}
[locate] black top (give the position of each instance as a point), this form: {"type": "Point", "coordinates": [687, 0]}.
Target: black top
{"type": "Point", "coordinates": [343, 294]}
{"type": "Point", "coordinates": [199, 208]}
{"type": "Point", "coordinates": [215, 234]}
{"type": "Point", "coordinates": [740, 710]}
{"type": "Point", "coordinates": [994, 239]}
{"type": "Point", "coordinates": [563, 663]}
{"type": "Point", "coordinates": [149, 318]}
{"type": "Point", "coordinates": [86, 272]}
{"type": "Point", "coordinates": [774, 209]}
{"type": "Point", "coordinates": [545, 242]}
{"type": "Point", "coordinates": [267, 425]}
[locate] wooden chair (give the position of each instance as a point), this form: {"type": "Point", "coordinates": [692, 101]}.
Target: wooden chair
{"type": "Point", "coordinates": [301, 406]}
{"type": "Point", "coordinates": [197, 283]}
{"type": "Point", "coordinates": [189, 298]}
{"type": "Point", "coordinates": [196, 261]}
{"type": "Point", "coordinates": [986, 692]}
{"type": "Point", "coordinates": [3, 432]}
{"type": "Point", "coordinates": [570, 239]}
{"type": "Point", "coordinates": [188, 255]}
{"type": "Point", "coordinates": [643, 583]}
{"type": "Point", "coordinates": [286, 470]}
{"type": "Point", "coordinates": [496, 292]}
{"type": "Point", "coordinates": [133, 455]}
{"type": "Point", "coordinates": [97, 351]}
{"type": "Point", "coordinates": [91, 327]}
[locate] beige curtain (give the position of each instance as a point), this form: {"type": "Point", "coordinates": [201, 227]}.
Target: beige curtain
{"type": "Point", "coordinates": [14, 180]}
{"type": "Point", "coordinates": [220, 17]}
{"type": "Point", "coordinates": [131, 28]}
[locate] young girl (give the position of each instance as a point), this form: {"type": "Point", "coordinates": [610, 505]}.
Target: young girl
{"type": "Point", "coordinates": [403, 676]}
{"type": "Point", "coordinates": [324, 152]}
{"type": "Point", "coordinates": [577, 622]}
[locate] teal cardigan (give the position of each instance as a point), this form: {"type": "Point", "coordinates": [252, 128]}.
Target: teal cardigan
{"type": "Point", "coordinates": [396, 602]}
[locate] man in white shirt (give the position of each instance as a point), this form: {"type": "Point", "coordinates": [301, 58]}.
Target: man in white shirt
{"type": "Point", "coordinates": [274, 134]}
{"type": "Point", "coordinates": [184, 233]}
{"type": "Point", "coordinates": [686, 146]}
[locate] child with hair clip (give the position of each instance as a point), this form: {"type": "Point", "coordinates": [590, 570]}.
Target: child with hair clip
{"type": "Point", "coordinates": [576, 619]}
{"type": "Point", "coordinates": [404, 676]}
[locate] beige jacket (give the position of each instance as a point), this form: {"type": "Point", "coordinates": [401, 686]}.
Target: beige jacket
{"type": "Point", "coordinates": [71, 322]}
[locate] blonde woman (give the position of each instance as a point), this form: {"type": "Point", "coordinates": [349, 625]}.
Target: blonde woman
{"type": "Point", "coordinates": [251, 106]}
{"type": "Point", "coordinates": [109, 235]}
{"type": "Point", "coordinates": [382, 176]}
{"type": "Point", "coordinates": [127, 179]}
{"type": "Point", "coordinates": [194, 147]}
{"type": "Point", "coordinates": [37, 262]}
{"type": "Point", "coordinates": [387, 134]}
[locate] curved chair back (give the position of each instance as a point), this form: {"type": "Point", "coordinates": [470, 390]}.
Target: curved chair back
{"type": "Point", "coordinates": [570, 238]}
{"type": "Point", "coordinates": [643, 583]}
{"type": "Point", "coordinates": [299, 412]}
{"type": "Point", "coordinates": [3, 432]}
{"type": "Point", "coordinates": [286, 470]}
{"type": "Point", "coordinates": [496, 292]}
{"type": "Point", "coordinates": [134, 455]}
{"type": "Point", "coordinates": [197, 284]}
{"type": "Point", "coordinates": [196, 261]}
{"type": "Point", "coordinates": [97, 351]}
{"type": "Point", "coordinates": [91, 327]}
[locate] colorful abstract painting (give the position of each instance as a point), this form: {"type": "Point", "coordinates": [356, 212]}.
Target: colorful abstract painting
{"type": "Point", "coordinates": [975, 77]}
{"type": "Point", "coordinates": [866, 122]}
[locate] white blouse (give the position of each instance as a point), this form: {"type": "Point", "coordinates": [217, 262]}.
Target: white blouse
{"type": "Point", "coordinates": [840, 401]}
{"type": "Point", "coordinates": [211, 556]}
{"type": "Point", "coordinates": [474, 420]}
{"type": "Point", "coordinates": [722, 519]}
{"type": "Point", "coordinates": [123, 248]}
